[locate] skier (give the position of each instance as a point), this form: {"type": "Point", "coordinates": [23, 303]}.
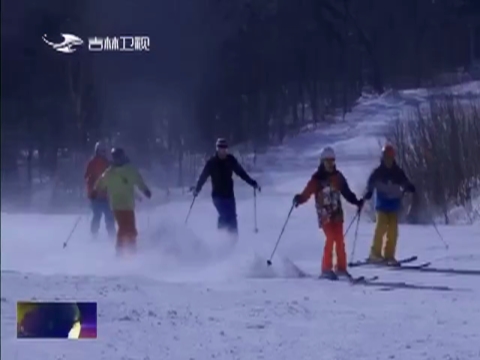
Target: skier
{"type": "Point", "coordinates": [99, 204]}
{"type": "Point", "coordinates": [120, 181]}
{"type": "Point", "coordinates": [327, 184]}
{"type": "Point", "coordinates": [220, 167]}
{"type": "Point", "coordinates": [389, 182]}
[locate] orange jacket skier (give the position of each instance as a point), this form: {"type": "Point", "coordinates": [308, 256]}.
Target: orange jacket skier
{"type": "Point", "coordinates": [327, 184]}
{"type": "Point", "coordinates": [99, 203]}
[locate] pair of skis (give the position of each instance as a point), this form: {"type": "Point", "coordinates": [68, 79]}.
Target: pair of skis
{"type": "Point", "coordinates": [361, 279]}
{"type": "Point", "coordinates": [365, 280]}
{"type": "Point", "coordinates": [401, 264]}
{"type": "Point", "coordinates": [351, 279]}
{"type": "Point", "coordinates": [422, 267]}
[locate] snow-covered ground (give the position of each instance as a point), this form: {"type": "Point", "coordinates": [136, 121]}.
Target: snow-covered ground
{"type": "Point", "coordinates": [187, 296]}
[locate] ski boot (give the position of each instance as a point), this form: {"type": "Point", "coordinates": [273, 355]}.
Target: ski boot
{"type": "Point", "coordinates": [328, 275]}
{"type": "Point", "coordinates": [126, 248]}
{"type": "Point", "coordinates": [375, 259]}
{"type": "Point", "coordinates": [392, 262]}
{"type": "Point", "coordinates": [343, 274]}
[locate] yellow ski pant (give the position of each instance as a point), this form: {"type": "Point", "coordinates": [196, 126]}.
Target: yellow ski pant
{"type": "Point", "coordinates": [387, 224]}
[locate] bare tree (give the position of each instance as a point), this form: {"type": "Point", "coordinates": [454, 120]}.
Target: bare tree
{"type": "Point", "coordinates": [438, 146]}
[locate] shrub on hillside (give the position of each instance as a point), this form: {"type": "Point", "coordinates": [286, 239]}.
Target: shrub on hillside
{"type": "Point", "coordinates": [438, 145]}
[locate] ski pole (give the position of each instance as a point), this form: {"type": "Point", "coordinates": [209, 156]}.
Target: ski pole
{"type": "Point", "coordinates": [269, 261]}
{"type": "Point", "coordinates": [351, 223]}
{"type": "Point", "coordinates": [72, 231]}
{"type": "Point", "coordinates": [356, 236]}
{"type": "Point", "coordinates": [255, 210]}
{"type": "Point", "coordinates": [190, 210]}
{"type": "Point", "coordinates": [439, 235]}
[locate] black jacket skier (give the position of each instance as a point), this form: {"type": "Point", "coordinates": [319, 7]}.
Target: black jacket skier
{"type": "Point", "coordinates": [220, 168]}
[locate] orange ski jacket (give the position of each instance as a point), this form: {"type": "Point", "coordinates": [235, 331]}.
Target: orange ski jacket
{"type": "Point", "coordinates": [95, 168]}
{"type": "Point", "coordinates": [327, 188]}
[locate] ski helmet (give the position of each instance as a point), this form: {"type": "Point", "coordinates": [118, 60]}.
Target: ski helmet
{"type": "Point", "coordinates": [327, 153]}
{"type": "Point", "coordinates": [221, 143]}
{"type": "Point", "coordinates": [389, 151]}
{"type": "Point", "coordinates": [118, 156]}
{"type": "Point", "coordinates": [100, 148]}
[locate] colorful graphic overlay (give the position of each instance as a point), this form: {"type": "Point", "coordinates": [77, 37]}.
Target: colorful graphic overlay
{"type": "Point", "coordinates": [56, 320]}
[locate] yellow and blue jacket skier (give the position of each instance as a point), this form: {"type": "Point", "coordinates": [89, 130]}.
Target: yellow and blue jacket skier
{"type": "Point", "coordinates": [389, 183]}
{"type": "Point", "coordinates": [120, 181]}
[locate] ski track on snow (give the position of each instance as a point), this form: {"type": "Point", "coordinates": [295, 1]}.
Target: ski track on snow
{"type": "Point", "coordinates": [188, 294]}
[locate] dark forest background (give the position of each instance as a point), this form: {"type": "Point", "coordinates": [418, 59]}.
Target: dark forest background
{"type": "Point", "coordinates": [254, 72]}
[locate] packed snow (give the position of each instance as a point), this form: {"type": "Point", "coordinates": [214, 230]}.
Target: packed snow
{"type": "Point", "coordinates": [190, 294]}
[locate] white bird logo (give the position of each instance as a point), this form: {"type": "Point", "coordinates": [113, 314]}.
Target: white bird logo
{"type": "Point", "coordinates": [65, 46]}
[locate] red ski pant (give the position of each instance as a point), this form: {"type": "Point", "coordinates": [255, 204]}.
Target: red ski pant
{"type": "Point", "coordinates": [127, 230]}
{"type": "Point", "coordinates": [334, 238]}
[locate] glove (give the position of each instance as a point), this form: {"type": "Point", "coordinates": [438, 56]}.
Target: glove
{"type": "Point", "coordinates": [93, 195]}
{"type": "Point", "coordinates": [410, 188]}
{"type": "Point", "coordinates": [296, 200]}
{"type": "Point", "coordinates": [194, 191]}
{"type": "Point", "coordinates": [360, 204]}
{"type": "Point", "coordinates": [256, 186]}
{"type": "Point", "coordinates": [148, 193]}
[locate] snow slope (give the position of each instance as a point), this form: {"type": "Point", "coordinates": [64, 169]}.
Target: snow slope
{"type": "Point", "coordinates": [188, 295]}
